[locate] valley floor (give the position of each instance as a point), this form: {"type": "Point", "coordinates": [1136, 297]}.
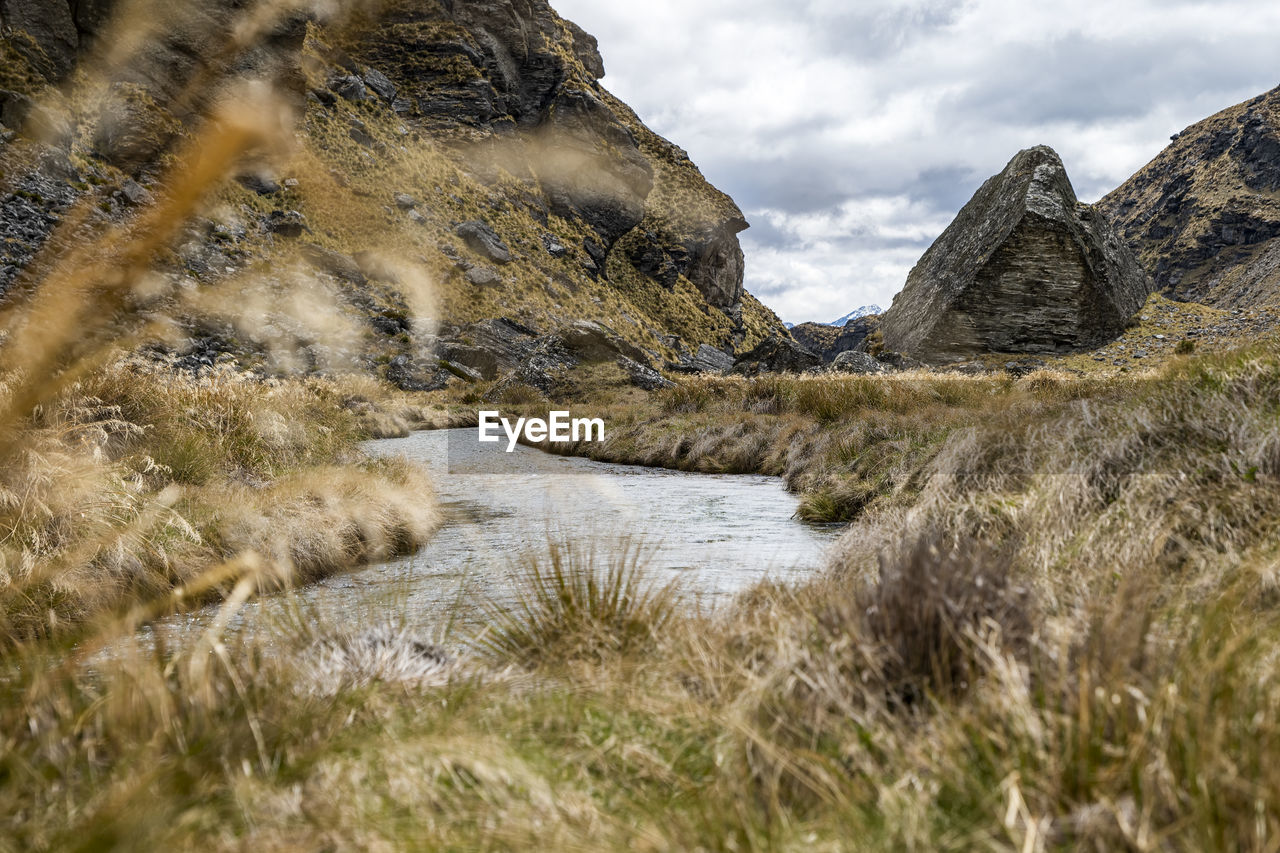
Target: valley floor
{"type": "Point", "coordinates": [1051, 624]}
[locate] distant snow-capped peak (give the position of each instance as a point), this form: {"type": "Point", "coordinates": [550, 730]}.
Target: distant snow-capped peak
{"type": "Point", "coordinates": [864, 311]}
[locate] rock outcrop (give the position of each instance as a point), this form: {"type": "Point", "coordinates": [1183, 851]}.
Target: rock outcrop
{"type": "Point", "coordinates": [547, 362]}
{"type": "Point", "coordinates": [514, 75]}
{"type": "Point", "coordinates": [706, 360]}
{"type": "Point", "coordinates": [818, 338]}
{"type": "Point", "coordinates": [1023, 268]}
{"type": "Point", "coordinates": [776, 354]}
{"type": "Point", "coordinates": [828, 342]}
{"type": "Point", "coordinates": [57, 30]}
{"type": "Point", "coordinates": [1204, 216]}
{"type": "Point", "coordinates": [471, 140]}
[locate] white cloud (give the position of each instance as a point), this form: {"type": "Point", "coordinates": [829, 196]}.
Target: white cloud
{"type": "Point", "coordinates": [851, 133]}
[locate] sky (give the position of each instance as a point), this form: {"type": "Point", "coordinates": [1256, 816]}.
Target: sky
{"type": "Point", "coordinates": [851, 132]}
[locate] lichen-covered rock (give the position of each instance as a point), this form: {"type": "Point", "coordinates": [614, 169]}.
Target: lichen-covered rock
{"type": "Point", "coordinates": [1023, 268]}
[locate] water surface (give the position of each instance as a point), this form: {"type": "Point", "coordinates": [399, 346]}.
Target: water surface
{"type": "Point", "coordinates": [717, 534]}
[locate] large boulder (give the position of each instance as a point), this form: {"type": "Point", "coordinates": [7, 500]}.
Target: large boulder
{"type": "Point", "coordinates": [1023, 268]}
{"type": "Point", "coordinates": [716, 263]}
{"type": "Point", "coordinates": [707, 359]}
{"type": "Point", "coordinates": [593, 342]}
{"type": "Point", "coordinates": [484, 241]}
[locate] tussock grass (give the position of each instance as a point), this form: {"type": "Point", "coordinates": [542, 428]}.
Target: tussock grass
{"type": "Point", "coordinates": [1016, 661]}
{"type": "Point", "coordinates": [843, 443]}
{"type": "Point", "coordinates": [108, 503]}
{"type": "Point", "coordinates": [575, 603]}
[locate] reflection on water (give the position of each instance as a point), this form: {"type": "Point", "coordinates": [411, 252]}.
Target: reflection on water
{"type": "Point", "coordinates": [717, 533]}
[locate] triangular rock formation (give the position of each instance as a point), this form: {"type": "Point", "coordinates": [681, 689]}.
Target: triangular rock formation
{"type": "Point", "coordinates": [1023, 268]}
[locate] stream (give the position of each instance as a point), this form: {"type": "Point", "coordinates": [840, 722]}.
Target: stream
{"type": "Point", "coordinates": [715, 534]}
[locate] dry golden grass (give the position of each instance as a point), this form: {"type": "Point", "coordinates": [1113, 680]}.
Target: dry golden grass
{"type": "Point", "coordinates": [580, 604]}
{"type": "Point", "coordinates": [1063, 640]}
{"type": "Point", "coordinates": [106, 503]}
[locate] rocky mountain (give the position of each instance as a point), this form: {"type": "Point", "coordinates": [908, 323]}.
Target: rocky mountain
{"type": "Point", "coordinates": [1023, 268]}
{"type": "Point", "coordinates": [856, 314]}
{"type": "Point", "coordinates": [1204, 216]}
{"type": "Point", "coordinates": [468, 140]}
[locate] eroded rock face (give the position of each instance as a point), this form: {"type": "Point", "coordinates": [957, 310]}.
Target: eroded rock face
{"type": "Point", "coordinates": [591, 167]}
{"type": "Point", "coordinates": [716, 264]}
{"type": "Point", "coordinates": [514, 76]}
{"type": "Point", "coordinates": [1023, 268]}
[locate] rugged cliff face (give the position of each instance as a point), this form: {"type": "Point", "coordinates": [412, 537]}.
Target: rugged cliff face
{"type": "Point", "coordinates": [472, 139]}
{"type": "Point", "coordinates": [1203, 217]}
{"type": "Point", "coordinates": [1023, 268]}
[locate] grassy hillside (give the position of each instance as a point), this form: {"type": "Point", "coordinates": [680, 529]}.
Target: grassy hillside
{"type": "Point", "coordinates": [1204, 215]}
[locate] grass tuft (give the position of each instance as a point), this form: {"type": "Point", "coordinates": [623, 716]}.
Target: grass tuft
{"type": "Point", "coordinates": [577, 604]}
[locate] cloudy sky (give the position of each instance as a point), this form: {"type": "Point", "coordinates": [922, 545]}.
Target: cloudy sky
{"type": "Point", "coordinates": [851, 131]}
